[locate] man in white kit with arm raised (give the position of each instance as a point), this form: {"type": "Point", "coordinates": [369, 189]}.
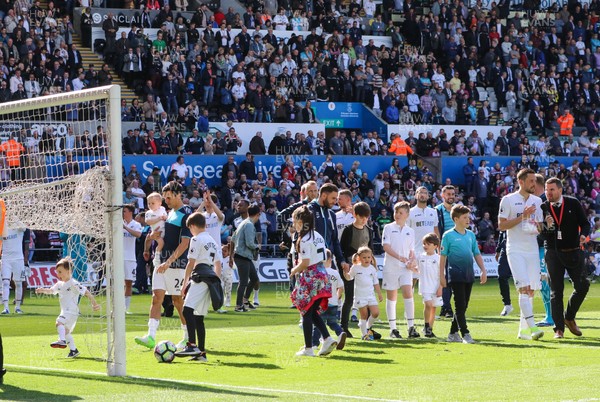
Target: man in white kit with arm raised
{"type": "Point", "coordinates": [423, 220]}
{"type": "Point", "coordinates": [521, 216]}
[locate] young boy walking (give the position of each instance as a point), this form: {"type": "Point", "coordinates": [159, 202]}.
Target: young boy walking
{"type": "Point", "coordinates": [459, 247]}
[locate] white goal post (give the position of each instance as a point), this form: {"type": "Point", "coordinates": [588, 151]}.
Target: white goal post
{"type": "Point", "coordinates": [61, 174]}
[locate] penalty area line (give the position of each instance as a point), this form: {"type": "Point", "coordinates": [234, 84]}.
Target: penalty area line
{"type": "Point", "coordinates": [200, 383]}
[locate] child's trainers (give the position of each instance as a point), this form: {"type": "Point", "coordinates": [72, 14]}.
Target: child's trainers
{"type": "Point", "coordinates": [468, 339]}
{"type": "Point", "coordinates": [72, 354]}
{"type": "Point", "coordinates": [428, 333]}
{"type": "Point", "coordinates": [454, 338]}
{"type": "Point", "coordinates": [189, 350]}
{"type": "Point", "coordinates": [199, 358]}
{"type": "Point", "coordinates": [328, 346]}
{"type": "Point", "coordinates": [413, 333]}
{"type": "Point", "coordinates": [306, 352]}
{"type": "Point", "coordinates": [341, 341]}
{"type": "Point", "coordinates": [376, 335]}
{"type": "Point", "coordinates": [368, 336]}
{"type": "Point", "coordinates": [395, 334]}
{"type": "Point", "coordinates": [60, 344]}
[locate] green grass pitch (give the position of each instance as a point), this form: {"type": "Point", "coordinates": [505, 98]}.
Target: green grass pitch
{"type": "Point", "coordinates": [252, 357]}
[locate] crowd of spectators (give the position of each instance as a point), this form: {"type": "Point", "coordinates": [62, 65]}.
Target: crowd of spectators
{"type": "Point", "coordinates": [541, 61]}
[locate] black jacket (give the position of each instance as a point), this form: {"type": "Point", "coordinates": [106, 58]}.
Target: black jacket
{"type": "Point", "coordinates": [573, 224]}
{"type": "Point", "coordinates": [326, 226]}
{"type": "Point", "coordinates": [205, 273]}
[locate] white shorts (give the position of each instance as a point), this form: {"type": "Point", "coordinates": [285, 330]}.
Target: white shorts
{"type": "Point", "coordinates": [395, 278]}
{"type": "Point", "coordinates": [68, 320]}
{"type": "Point", "coordinates": [365, 301]}
{"type": "Point", "coordinates": [525, 268]}
{"type": "Point", "coordinates": [130, 267]}
{"type": "Point", "coordinates": [198, 298]}
{"type": "Point", "coordinates": [14, 269]}
{"type": "Point", "coordinates": [170, 281]}
{"type": "Point", "coordinates": [437, 301]}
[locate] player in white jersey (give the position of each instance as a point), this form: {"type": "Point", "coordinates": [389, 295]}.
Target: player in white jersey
{"type": "Point", "coordinates": [345, 216]}
{"type": "Point", "coordinates": [521, 216]}
{"type": "Point", "coordinates": [200, 273]}
{"type": "Point", "coordinates": [226, 277]}
{"type": "Point", "coordinates": [131, 231]}
{"type": "Point", "coordinates": [423, 220]}
{"type": "Point", "coordinates": [398, 241]}
{"type": "Point", "coordinates": [429, 283]}
{"type": "Point", "coordinates": [13, 265]}
{"type": "Point", "coordinates": [214, 220]}
{"type": "Point", "coordinates": [155, 217]}
{"type": "Point", "coordinates": [366, 283]}
{"type": "Point", "coordinates": [69, 291]}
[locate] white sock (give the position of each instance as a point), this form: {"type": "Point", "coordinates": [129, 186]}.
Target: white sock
{"type": "Point", "coordinates": [370, 321]}
{"type": "Point", "coordinates": [5, 292]}
{"type": "Point", "coordinates": [362, 324]}
{"type": "Point", "coordinates": [526, 309]}
{"type": "Point", "coordinates": [153, 326]}
{"type": "Point", "coordinates": [409, 312]}
{"type": "Point", "coordinates": [390, 309]}
{"type": "Point", "coordinates": [70, 341]}
{"type": "Point", "coordinates": [185, 332]}
{"type": "Point", "coordinates": [127, 302]}
{"type": "Point", "coordinates": [61, 332]}
{"type": "Point", "coordinates": [522, 323]}
{"type": "Point", "coordinates": [18, 294]}
{"type": "Point", "coordinates": [354, 311]}
{"type": "Point", "coordinates": [156, 260]}
{"type": "Point", "coordinates": [256, 296]}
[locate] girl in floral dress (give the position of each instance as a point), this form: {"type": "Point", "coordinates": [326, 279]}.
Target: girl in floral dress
{"type": "Point", "coordinates": [313, 289]}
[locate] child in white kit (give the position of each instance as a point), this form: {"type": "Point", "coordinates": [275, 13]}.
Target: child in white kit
{"type": "Point", "coordinates": [366, 283]}
{"type": "Point", "coordinates": [226, 277]}
{"type": "Point", "coordinates": [69, 291]}
{"type": "Point", "coordinates": [429, 281]}
{"type": "Point", "coordinates": [155, 218]}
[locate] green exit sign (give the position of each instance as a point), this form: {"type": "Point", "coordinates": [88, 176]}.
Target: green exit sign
{"type": "Point", "coordinates": [330, 123]}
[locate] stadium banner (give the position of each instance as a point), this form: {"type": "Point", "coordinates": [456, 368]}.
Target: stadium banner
{"type": "Point", "coordinates": [275, 269]}
{"type": "Point", "coordinates": [349, 115]}
{"type": "Point", "coordinates": [210, 167]}
{"type": "Point", "coordinates": [151, 33]}
{"type": "Point", "coordinates": [43, 274]}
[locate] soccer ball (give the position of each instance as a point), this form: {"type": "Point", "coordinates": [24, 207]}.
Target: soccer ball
{"type": "Point", "coordinates": [165, 352]}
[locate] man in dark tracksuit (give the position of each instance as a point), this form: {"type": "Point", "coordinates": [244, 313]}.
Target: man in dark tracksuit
{"type": "Point", "coordinates": [504, 274]}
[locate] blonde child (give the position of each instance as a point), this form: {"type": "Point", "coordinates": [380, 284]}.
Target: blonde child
{"type": "Point", "coordinates": [429, 281]}
{"type": "Point", "coordinates": [226, 277]}
{"type": "Point", "coordinates": [366, 284]}
{"type": "Point", "coordinates": [155, 218]}
{"type": "Point", "coordinates": [69, 291]}
{"type": "Point", "coordinates": [330, 317]}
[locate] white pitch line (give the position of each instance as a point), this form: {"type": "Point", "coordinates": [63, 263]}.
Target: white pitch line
{"type": "Point", "coordinates": [205, 384]}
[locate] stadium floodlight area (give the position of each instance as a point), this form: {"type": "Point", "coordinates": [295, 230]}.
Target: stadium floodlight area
{"type": "Point", "coordinates": [65, 177]}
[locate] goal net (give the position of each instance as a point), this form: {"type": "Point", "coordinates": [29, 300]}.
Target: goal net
{"type": "Point", "coordinates": [60, 175]}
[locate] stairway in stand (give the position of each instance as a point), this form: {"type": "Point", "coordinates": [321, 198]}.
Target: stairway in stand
{"type": "Point", "coordinates": [89, 57]}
